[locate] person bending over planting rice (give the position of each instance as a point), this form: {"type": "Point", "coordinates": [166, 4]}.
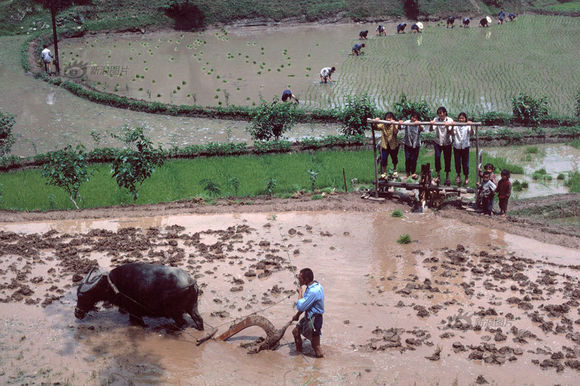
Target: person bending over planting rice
{"type": "Point", "coordinates": [362, 35]}
{"type": "Point", "coordinates": [326, 74]}
{"type": "Point", "coordinates": [357, 49]}
{"type": "Point", "coordinates": [287, 96]}
{"type": "Point", "coordinates": [450, 22]}
{"type": "Point", "coordinates": [417, 27]}
{"type": "Point", "coordinates": [401, 28]}
{"type": "Point", "coordinates": [381, 30]}
{"type": "Point", "coordinates": [466, 22]}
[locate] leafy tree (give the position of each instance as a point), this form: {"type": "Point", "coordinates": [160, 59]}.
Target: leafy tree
{"type": "Point", "coordinates": [355, 113]}
{"type": "Point", "coordinates": [134, 164]}
{"type": "Point", "coordinates": [530, 110]}
{"type": "Point", "coordinates": [67, 169]}
{"type": "Point", "coordinates": [404, 108]}
{"type": "Point", "coordinates": [55, 6]}
{"type": "Point", "coordinates": [411, 8]}
{"type": "Point", "coordinates": [187, 16]}
{"type": "Point", "coordinates": [271, 120]}
{"type": "Point", "coordinates": [7, 121]}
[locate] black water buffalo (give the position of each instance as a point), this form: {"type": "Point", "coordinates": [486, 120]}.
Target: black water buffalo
{"type": "Point", "coordinates": [142, 290]}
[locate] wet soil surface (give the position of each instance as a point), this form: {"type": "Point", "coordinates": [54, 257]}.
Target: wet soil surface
{"type": "Point", "coordinates": [466, 303]}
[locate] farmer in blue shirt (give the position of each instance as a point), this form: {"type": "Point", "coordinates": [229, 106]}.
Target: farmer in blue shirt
{"type": "Point", "coordinates": [311, 302]}
{"type": "Point", "coordinates": [357, 49]}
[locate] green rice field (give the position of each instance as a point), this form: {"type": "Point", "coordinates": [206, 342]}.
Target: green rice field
{"type": "Point", "coordinates": [186, 179]}
{"type": "Point", "coordinates": [474, 69]}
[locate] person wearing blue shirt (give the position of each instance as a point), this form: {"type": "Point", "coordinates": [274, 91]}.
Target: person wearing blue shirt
{"type": "Point", "coordinates": [357, 49]}
{"type": "Point", "coordinates": [311, 302]}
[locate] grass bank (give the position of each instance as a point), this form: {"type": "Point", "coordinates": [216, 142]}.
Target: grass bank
{"type": "Point", "coordinates": [278, 174]}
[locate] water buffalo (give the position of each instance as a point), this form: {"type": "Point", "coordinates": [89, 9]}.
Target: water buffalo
{"type": "Point", "coordinates": [142, 290]}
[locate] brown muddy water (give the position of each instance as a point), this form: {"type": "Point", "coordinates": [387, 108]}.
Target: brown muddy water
{"type": "Point", "coordinates": [457, 303]}
{"type": "Point", "coordinates": [555, 159]}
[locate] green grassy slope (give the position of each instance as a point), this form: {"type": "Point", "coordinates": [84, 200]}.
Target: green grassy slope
{"type": "Point", "coordinates": [20, 16]}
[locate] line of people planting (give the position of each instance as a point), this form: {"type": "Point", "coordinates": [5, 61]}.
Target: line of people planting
{"type": "Point", "coordinates": [449, 139]}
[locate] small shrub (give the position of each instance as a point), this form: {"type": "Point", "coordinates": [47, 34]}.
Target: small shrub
{"type": "Point", "coordinates": [578, 104]}
{"type": "Point", "coordinates": [7, 122]}
{"type": "Point", "coordinates": [271, 120]}
{"type": "Point", "coordinates": [210, 187]}
{"type": "Point", "coordinates": [517, 186]}
{"type": "Point", "coordinates": [235, 184]}
{"type": "Point", "coordinates": [67, 169]}
{"type": "Point", "coordinates": [397, 213]}
{"type": "Point", "coordinates": [313, 175]}
{"type": "Point", "coordinates": [532, 150]}
{"type": "Point", "coordinates": [525, 185]}
{"type": "Point", "coordinates": [271, 184]}
{"type": "Point", "coordinates": [494, 118]}
{"type": "Point", "coordinates": [404, 108]}
{"type": "Point", "coordinates": [133, 165]}
{"type": "Point", "coordinates": [355, 113]}
{"type": "Point", "coordinates": [541, 171]}
{"type": "Point", "coordinates": [573, 182]}
{"type": "Point", "coordinates": [529, 110]}
{"type": "Point", "coordinates": [404, 239]}
{"type": "Point", "coordinates": [561, 176]}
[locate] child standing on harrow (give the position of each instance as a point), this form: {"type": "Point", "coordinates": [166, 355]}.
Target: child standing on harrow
{"type": "Point", "coordinates": [461, 136]}
{"type": "Point", "coordinates": [389, 142]}
{"type": "Point", "coordinates": [412, 143]}
{"type": "Point", "coordinates": [442, 144]}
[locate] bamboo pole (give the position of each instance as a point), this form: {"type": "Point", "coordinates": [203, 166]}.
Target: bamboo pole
{"type": "Point", "coordinates": [375, 159]}
{"type": "Point", "coordinates": [370, 120]}
{"type": "Point", "coordinates": [476, 163]}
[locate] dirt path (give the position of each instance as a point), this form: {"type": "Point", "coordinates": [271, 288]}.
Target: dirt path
{"type": "Point", "coordinates": [544, 231]}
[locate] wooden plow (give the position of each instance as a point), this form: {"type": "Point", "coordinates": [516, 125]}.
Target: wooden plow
{"type": "Point", "coordinates": [430, 194]}
{"type": "Point", "coordinates": [273, 335]}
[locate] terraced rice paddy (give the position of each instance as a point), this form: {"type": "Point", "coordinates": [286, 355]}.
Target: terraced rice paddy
{"type": "Point", "coordinates": [475, 69]}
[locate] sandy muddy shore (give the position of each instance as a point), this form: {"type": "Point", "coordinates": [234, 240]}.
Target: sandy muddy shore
{"type": "Point", "coordinates": [461, 303]}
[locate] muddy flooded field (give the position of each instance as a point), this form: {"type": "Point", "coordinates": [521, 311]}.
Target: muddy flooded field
{"type": "Point", "coordinates": [542, 165]}
{"type": "Point", "coordinates": [481, 71]}
{"type": "Point", "coordinates": [48, 117]}
{"type": "Point", "coordinates": [459, 304]}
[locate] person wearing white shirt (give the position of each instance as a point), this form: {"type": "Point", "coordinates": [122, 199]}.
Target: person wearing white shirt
{"type": "Point", "coordinates": [442, 143]}
{"type": "Point", "coordinates": [461, 136]}
{"type": "Point", "coordinates": [412, 141]}
{"type": "Point", "coordinates": [46, 58]}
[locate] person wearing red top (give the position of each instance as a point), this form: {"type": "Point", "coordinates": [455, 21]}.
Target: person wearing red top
{"type": "Point", "coordinates": [504, 190]}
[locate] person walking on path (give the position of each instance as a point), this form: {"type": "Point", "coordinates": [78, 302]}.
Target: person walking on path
{"type": "Point", "coordinates": [47, 59]}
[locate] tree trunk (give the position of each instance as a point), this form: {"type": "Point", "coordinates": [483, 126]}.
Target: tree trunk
{"type": "Point", "coordinates": [53, 17]}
